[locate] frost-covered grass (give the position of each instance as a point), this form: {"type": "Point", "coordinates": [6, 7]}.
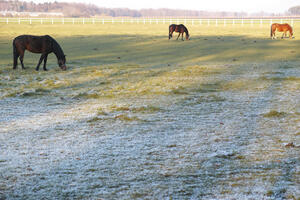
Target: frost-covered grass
{"type": "Point", "coordinates": [137, 116]}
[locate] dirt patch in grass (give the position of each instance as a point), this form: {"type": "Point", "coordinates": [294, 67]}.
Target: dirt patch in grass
{"type": "Point", "coordinates": [274, 113]}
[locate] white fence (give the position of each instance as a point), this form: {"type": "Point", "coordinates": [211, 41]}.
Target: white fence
{"type": "Point", "coordinates": [207, 22]}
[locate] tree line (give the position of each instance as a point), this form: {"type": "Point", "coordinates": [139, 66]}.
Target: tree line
{"type": "Point", "coordinates": [89, 10]}
{"type": "Point", "coordinates": [294, 10]}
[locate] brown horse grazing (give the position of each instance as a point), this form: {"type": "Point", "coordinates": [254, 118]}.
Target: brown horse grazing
{"type": "Point", "coordinates": [38, 44]}
{"type": "Point", "coordinates": [179, 29]}
{"type": "Point", "coordinates": [281, 28]}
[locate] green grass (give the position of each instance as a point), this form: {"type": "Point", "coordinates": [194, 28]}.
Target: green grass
{"type": "Point", "coordinates": [133, 60]}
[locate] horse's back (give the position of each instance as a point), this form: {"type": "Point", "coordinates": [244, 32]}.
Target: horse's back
{"type": "Point", "coordinates": [282, 27]}
{"type": "Point", "coordinates": [33, 43]}
{"type": "Point", "coordinates": [33, 37]}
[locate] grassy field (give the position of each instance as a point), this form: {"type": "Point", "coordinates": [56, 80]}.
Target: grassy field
{"type": "Point", "coordinates": [138, 116]}
{"type": "Point", "coordinates": [132, 55]}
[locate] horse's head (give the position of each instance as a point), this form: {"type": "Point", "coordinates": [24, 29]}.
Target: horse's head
{"type": "Point", "coordinates": [62, 63]}
{"type": "Point", "coordinates": [187, 37]}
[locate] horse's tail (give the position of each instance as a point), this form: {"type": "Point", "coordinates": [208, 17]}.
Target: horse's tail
{"type": "Point", "coordinates": [271, 30]}
{"type": "Point", "coordinates": [15, 54]}
{"type": "Point", "coordinates": [170, 31]}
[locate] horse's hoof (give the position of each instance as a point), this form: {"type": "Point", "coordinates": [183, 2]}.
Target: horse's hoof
{"type": "Point", "coordinates": [45, 69]}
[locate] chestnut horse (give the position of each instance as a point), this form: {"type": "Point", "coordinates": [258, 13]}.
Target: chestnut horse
{"type": "Point", "coordinates": [281, 28]}
{"type": "Point", "coordinates": [179, 29]}
{"type": "Point", "coordinates": [38, 44]}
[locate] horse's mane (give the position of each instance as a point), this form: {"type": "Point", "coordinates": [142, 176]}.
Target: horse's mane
{"type": "Point", "coordinates": [57, 50]}
{"type": "Point", "coordinates": [185, 30]}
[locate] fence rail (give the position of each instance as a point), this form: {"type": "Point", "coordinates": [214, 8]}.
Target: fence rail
{"type": "Point", "coordinates": [207, 22]}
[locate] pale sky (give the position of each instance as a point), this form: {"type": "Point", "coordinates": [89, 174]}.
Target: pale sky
{"type": "Point", "coordinates": [250, 6]}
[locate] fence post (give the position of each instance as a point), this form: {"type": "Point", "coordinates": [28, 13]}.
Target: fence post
{"type": "Point", "coordinates": [260, 22]}
{"type": "Point", "coordinates": [93, 20]}
{"type": "Point", "coordinates": [233, 22]}
{"type": "Point", "coordinates": [63, 20]}
{"type": "Point", "coordinates": [6, 20]}
{"type": "Point", "coordinates": [19, 21]}
{"type": "Point", "coordinates": [216, 22]}
{"type": "Point", "coordinates": [193, 22]}
{"type": "Point", "coordinates": [200, 21]}
{"type": "Point", "coordinates": [30, 21]}
{"type": "Point", "coordinates": [52, 20]}
{"type": "Point", "coordinates": [102, 21]}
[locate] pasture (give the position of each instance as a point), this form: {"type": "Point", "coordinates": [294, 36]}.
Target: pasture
{"type": "Point", "coordinates": [137, 116]}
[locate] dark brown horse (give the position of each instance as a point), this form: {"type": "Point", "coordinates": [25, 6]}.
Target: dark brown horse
{"type": "Point", "coordinates": [179, 29]}
{"type": "Point", "coordinates": [281, 28]}
{"type": "Point", "coordinates": [38, 44]}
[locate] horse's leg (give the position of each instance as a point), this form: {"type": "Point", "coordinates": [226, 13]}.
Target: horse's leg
{"type": "Point", "coordinates": [178, 36]}
{"type": "Point", "coordinates": [21, 59]}
{"type": "Point", "coordinates": [182, 36]}
{"type": "Point", "coordinates": [273, 32]}
{"type": "Point", "coordinates": [170, 34]}
{"type": "Point", "coordinates": [40, 61]}
{"type": "Point", "coordinates": [45, 62]}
